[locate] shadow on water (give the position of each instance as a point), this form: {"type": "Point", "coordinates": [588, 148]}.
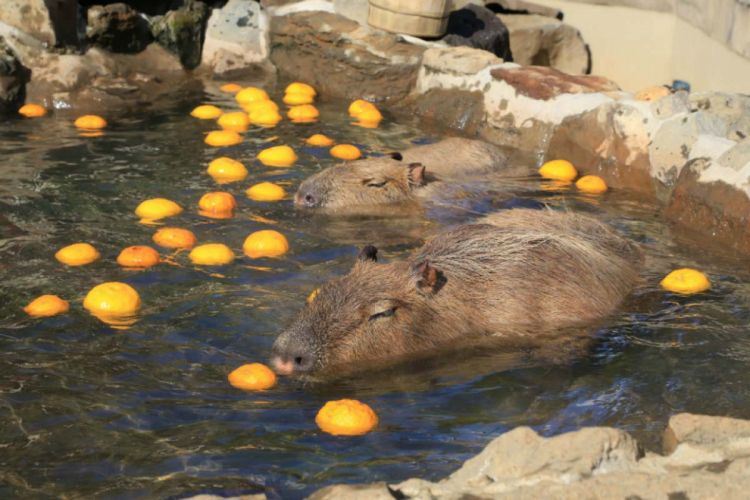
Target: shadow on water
{"type": "Point", "coordinates": [89, 411]}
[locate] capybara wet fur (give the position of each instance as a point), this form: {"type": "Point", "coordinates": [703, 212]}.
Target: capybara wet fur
{"type": "Point", "coordinates": [401, 177]}
{"type": "Point", "coordinates": [516, 277]}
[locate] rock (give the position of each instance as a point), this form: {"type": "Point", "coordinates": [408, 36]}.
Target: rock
{"type": "Point", "coordinates": [51, 22]}
{"type": "Point", "coordinates": [465, 114]}
{"type": "Point", "coordinates": [97, 79]}
{"type": "Point", "coordinates": [13, 78]}
{"type": "Point", "coordinates": [544, 41]}
{"type": "Point", "coordinates": [181, 31]}
{"type": "Point", "coordinates": [706, 201]}
{"type": "Point", "coordinates": [712, 460]}
{"type": "Point", "coordinates": [448, 92]}
{"type": "Point", "coordinates": [117, 28]}
{"type": "Point", "coordinates": [358, 62]}
{"type": "Point", "coordinates": [673, 142]}
{"type": "Point", "coordinates": [236, 38]}
{"type": "Point", "coordinates": [706, 431]}
{"type": "Point", "coordinates": [515, 456]}
{"type": "Point", "coordinates": [375, 491]}
{"type": "Point", "coordinates": [543, 83]}
{"type": "Point", "coordinates": [478, 27]}
{"type": "Point", "coordinates": [610, 141]}
{"type": "Point", "coordinates": [732, 109]}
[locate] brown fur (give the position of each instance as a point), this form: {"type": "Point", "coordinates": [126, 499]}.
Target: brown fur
{"type": "Point", "coordinates": [381, 181]}
{"type": "Point", "coordinates": [514, 277]}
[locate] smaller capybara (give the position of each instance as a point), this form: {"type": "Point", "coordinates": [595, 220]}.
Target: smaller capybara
{"type": "Point", "coordinates": [515, 278]}
{"type": "Point", "coordinates": [400, 177]}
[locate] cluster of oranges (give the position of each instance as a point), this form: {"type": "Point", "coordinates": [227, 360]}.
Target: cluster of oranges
{"type": "Point", "coordinates": [117, 304]}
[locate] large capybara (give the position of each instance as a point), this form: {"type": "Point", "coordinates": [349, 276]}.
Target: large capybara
{"type": "Point", "coordinates": [515, 277]}
{"type": "Point", "coordinates": [401, 177]}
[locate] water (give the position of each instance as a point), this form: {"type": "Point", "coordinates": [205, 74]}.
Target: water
{"type": "Point", "coordinates": [88, 411]}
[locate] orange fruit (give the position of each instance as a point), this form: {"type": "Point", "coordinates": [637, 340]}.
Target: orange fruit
{"type": "Point", "coordinates": [46, 305]}
{"type": "Point", "coordinates": [346, 417]}
{"type": "Point", "coordinates": [252, 377]}
{"type": "Point", "coordinates": [174, 237]}
{"type": "Point", "coordinates": [140, 256]}
{"type": "Point", "coordinates": [77, 254]}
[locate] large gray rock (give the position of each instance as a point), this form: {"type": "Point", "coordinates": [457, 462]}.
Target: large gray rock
{"type": "Point", "coordinates": [118, 28]}
{"type": "Point", "coordinates": [51, 22]}
{"type": "Point", "coordinates": [236, 37]}
{"type": "Point", "coordinates": [544, 41]}
{"type": "Point", "coordinates": [13, 78]}
{"type": "Point", "coordinates": [181, 31]}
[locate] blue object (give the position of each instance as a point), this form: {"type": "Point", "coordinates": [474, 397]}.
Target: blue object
{"type": "Point", "coordinates": [680, 85]}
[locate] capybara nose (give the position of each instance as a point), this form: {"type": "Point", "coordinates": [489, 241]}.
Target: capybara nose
{"type": "Point", "coordinates": [307, 200]}
{"type": "Point", "coordinates": [285, 364]}
{"type": "Point", "coordinates": [282, 366]}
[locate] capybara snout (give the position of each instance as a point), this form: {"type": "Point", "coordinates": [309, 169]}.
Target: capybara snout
{"type": "Point", "coordinates": [518, 277]}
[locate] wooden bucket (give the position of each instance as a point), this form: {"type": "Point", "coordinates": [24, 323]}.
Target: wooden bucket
{"type": "Point", "coordinates": [427, 18]}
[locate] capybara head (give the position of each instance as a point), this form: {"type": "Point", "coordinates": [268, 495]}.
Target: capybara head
{"type": "Point", "coordinates": [365, 316]}
{"type": "Point", "coordinates": [373, 181]}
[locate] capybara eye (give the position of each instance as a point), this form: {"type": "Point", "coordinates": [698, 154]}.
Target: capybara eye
{"type": "Point", "coordinates": [374, 183]}
{"type": "Point", "coordinates": [383, 314]}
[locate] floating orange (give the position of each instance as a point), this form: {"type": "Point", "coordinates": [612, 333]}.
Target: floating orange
{"type": "Point", "coordinates": [265, 243]}
{"type": "Point", "coordinates": [46, 305]}
{"type": "Point", "coordinates": [90, 122]}
{"type": "Point", "coordinates": [222, 138]}
{"type": "Point", "coordinates": [346, 152]}
{"type": "Point", "coordinates": [174, 237]}
{"type": "Point", "coordinates": [346, 417]}
{"type": "Point", "coordinates": [217, 204]}
{"type": "Point", "coordinates": [32, 110]}
{"type": "Point", "coordinates": [77, 254]}
{"type": "Point", "coordinates": [252, 377]}
{"type": "Point", "coordinates": [140, 256]}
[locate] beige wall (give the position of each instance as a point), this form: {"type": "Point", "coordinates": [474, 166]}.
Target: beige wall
{"type": "Point", "coordinates": [639, 48]}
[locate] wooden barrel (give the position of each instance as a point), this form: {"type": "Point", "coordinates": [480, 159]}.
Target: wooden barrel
{"type": "Point", "coordinates": [428, 18]}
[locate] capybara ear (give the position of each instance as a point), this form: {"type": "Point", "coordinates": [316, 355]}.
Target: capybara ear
{"type": "Point", "coordinates": [429, 279]}
{"type": "Point", "coordinates": [396, 156]}
{"type": "Point", "coordinates": [368, 253]}
{"type": "Point", "coordinates": [416, 174]}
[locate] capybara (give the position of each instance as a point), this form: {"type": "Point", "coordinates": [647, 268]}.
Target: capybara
{"type": "Point", "coordinates": [515, 277]}
{"type": "Point", "coordinates": [400, 177]}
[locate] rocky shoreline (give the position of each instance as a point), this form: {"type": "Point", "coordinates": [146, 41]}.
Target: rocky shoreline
{"type": "Point", "coordinates": [704, 457]}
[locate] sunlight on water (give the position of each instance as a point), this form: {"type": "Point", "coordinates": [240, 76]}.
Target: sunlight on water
{"type": "Point", "coordinates": [87, 410]}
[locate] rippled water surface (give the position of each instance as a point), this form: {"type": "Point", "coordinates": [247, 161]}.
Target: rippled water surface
{"type": "Point", "coordinates": [86, 410]}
